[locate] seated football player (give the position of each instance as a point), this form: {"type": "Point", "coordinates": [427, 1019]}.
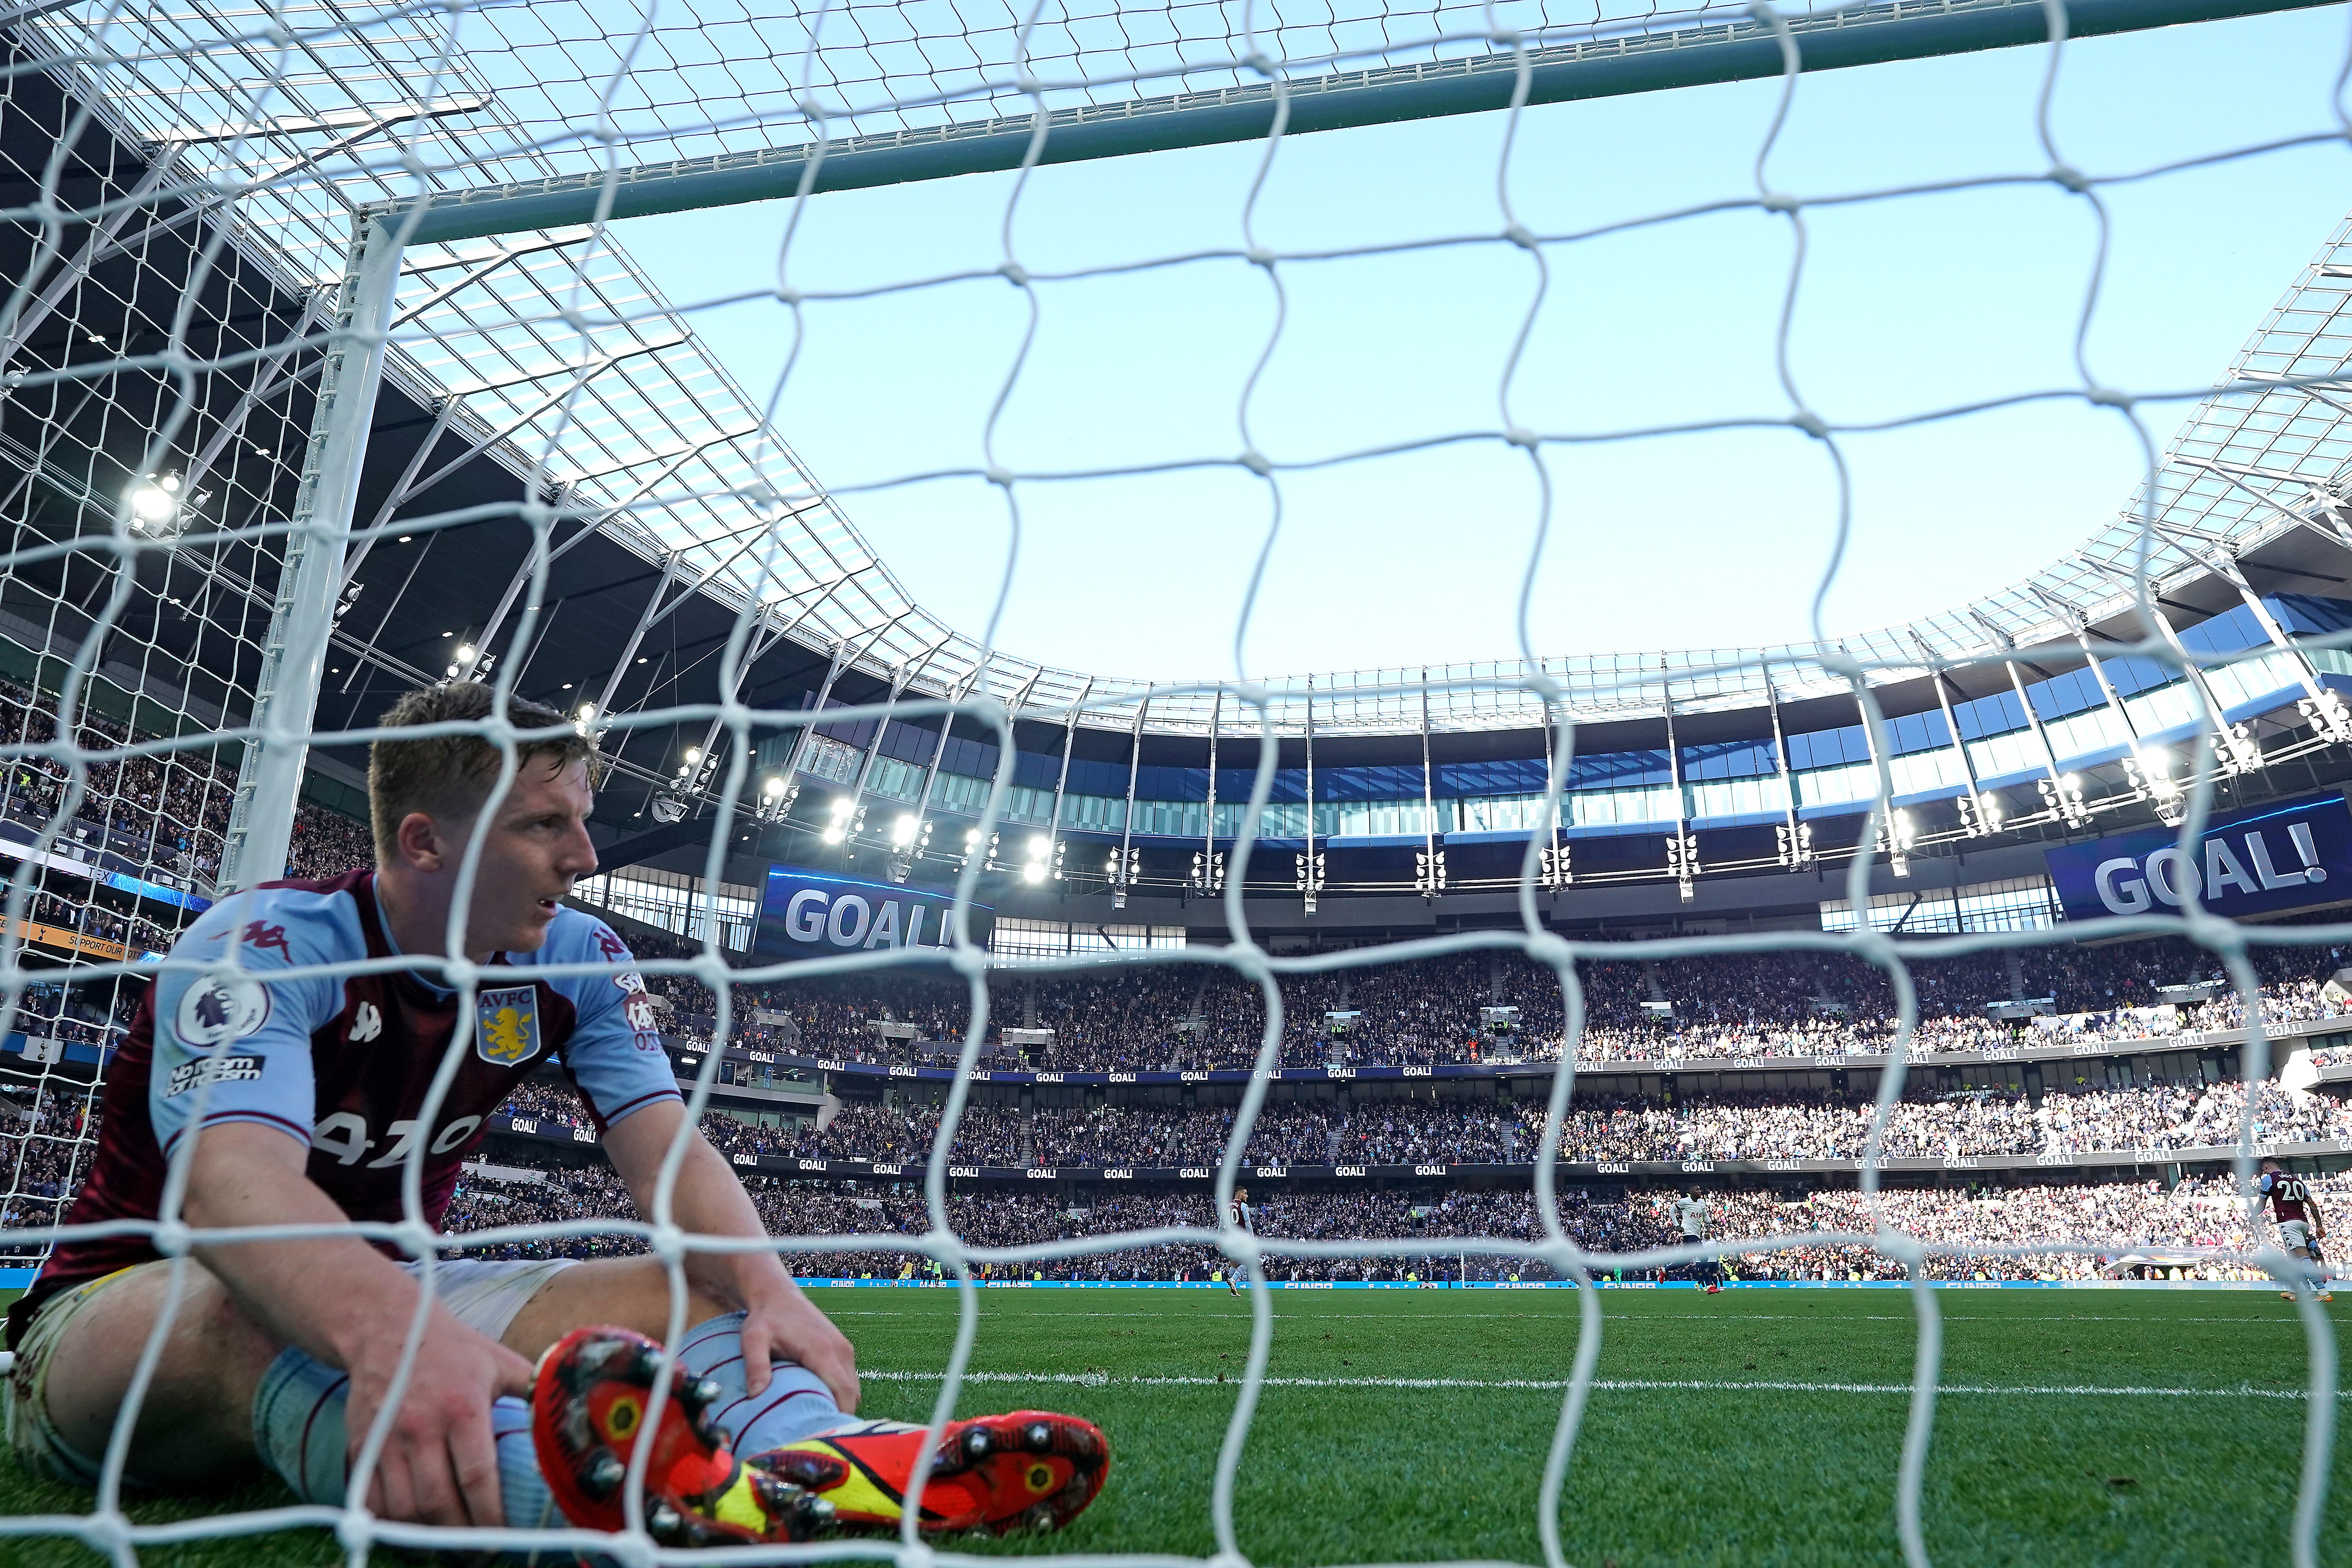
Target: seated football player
{"type": "Point", "coordinates": [299, 1098]}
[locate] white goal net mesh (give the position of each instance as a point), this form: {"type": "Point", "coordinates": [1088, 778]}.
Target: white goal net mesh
{"type": "Point", "coordinates": [182, 185]}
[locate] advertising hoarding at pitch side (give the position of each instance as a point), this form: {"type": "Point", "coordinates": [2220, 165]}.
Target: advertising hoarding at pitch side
{"type": "Point", "coordinates": [2288, 855]}
{"type": "Point", "coordinates": [808, 914]}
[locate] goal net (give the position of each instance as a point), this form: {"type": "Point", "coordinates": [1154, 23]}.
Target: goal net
{"type": "Point", "coordinates": [310, 302]}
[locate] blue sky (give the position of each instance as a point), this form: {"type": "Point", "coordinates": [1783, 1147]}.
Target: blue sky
{"type": "Point", "coordinates": [1713, 539]}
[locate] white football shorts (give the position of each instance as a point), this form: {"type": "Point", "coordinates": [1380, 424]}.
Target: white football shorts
{"type": "Point", "coordinates": [482, 1293]}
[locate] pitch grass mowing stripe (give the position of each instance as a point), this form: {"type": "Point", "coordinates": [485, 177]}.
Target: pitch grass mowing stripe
{"type": "Point", "coordinates": [1697, 1467]}
{"type": "Point", "coordinates": [1598, 1384]}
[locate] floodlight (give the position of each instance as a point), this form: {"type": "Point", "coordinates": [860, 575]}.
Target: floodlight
{"type": "Point", "coordinates": [1032, 871]}
{"type": "Point", "coordinates": [903, 831]}
{"type": "Point", "coordinates": [155, 505]}
{"type": "Point", "coordinates": [466, 656]}
{"type": "Point", "coordinates": [775, 786]}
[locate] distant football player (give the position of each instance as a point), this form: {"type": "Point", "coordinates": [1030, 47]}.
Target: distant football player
{"type": "Point", "coordinates": [299, 1098]}
{"type": "Point", "coordinates": [2302, 1228]}
{"type": "Point", "coordinates": [1691, 1216]}
{"type": "Point", "coordinates": [1238, 1211]}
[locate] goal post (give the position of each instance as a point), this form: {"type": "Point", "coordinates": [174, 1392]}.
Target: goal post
{"type": "Point", "coordinates": [293, 655]}
{"type": "Point", "coordinates": [1607, 59]}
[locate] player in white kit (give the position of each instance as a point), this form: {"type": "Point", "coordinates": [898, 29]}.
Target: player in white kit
{"type": "Point", "coordinates": [1238, 1211]}
{"type": "Point", "coordinates": [1691, 1216]}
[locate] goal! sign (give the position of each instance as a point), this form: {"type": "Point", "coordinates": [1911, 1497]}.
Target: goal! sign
{"type": "Point", "coordinates": [2285, 856]}
{"type": "Point", "coordinates": [806, 914]}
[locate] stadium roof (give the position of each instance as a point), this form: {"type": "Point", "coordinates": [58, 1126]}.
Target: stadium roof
{"type": "Point", "coordinates": [554, 354]}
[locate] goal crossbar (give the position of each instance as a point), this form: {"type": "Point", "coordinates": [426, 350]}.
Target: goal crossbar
{"type": "Point", "coordinates": [1654, 60]}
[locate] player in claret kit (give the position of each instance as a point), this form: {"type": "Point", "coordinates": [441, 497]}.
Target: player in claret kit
{"type": "Point", "coordinates": [2302, 1228]}
{"type": "Point", "coordinates": [293, 1097]}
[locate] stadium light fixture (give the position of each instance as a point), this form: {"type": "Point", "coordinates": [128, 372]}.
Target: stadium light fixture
{"type": "Point", "coordinates": [1896, 835]}
{"type": "Point", "coordinates": [776, 797]}
{"type": "Point", "coordinates": [972, 845]}
{"type": "Point", "coordinates": [1040, 859]}
{"type": "Point", "coordinates": [842, 811]}
{"type": "Point", "coordinates": [156, 506]}
{"type": "Point", "coordinates": [2063, 796]}
{"type": "Point", "coordinates": [2150, 772]}
{"type": "Point", "coordinates": [2326, 713]}
{"type": "Point", "coordinates": [911, 836]}
{"type": "Point", "coordinates": [1981, 813]}
{"type": "Point", "coordinates": [1429, 872]}
{"type": "Point", "coordinates": [1682, 863]}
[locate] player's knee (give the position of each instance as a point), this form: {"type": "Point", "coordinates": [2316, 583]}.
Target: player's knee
{"type": "Point", "coordinates": [239, 1345]}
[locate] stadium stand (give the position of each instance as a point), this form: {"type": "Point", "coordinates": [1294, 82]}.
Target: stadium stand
{"type": "Point", "coordinates": [166, 818]}
{"type": "Point", "coordinates": [2121, 1221]}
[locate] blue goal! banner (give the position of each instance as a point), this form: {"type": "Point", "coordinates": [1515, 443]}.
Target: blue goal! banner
{"type": "Point", "coordinates": [808, 914]}
{"type": "Point", "coordinates": [2285, 856]}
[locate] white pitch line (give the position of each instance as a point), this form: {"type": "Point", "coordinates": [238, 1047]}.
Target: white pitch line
{"type": "Point", "coordinates": [1601, 1384]}
{"type": "Point", "coordinates": [2251, 1319]}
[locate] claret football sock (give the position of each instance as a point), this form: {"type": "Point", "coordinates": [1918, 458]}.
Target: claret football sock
{"type": "Point", "coordinates": [298, 1431]}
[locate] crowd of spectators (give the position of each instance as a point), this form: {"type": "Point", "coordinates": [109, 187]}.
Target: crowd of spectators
{"type": "Point", "coordinates": [2106, 1229]}
{"type": "Point", "coordinates": [164, 813]}
{"type": "Point", "coordinates": [1406, 1132]}
{"type": "Point", "coordinates": [1785, 1003]}
{"type": "Point", "coordinates": [1746, 1127]}
{"type": "Point", "coordinates": [45, 1139]}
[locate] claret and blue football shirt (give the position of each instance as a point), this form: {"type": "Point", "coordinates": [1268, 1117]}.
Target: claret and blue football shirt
{"type": "Point", "coordinates": [342, 1062]}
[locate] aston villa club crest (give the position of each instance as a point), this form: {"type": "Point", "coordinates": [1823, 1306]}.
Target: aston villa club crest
{"type": "Point", "coordinates": [506, 1025]}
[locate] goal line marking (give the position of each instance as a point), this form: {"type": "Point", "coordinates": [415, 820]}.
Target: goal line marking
{"type": "Point", "coordinates": [1598, 1384]}
{"type": "Point", "coordinates": [2251, 1319]}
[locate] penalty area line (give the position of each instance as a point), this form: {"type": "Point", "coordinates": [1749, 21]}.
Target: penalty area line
{"type": "Point", "coordinates": [1601, 1385]}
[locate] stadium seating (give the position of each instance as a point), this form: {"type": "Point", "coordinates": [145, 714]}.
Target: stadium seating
{"type": "Point", "coordinates": [166, 814]}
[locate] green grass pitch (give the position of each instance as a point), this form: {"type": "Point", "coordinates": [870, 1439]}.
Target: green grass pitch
{"type": "Point", "coordinates": [1351, 1465]}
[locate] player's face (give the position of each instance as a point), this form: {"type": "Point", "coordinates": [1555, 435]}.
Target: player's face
{"type": "Point", "coordinates": [536, 846]}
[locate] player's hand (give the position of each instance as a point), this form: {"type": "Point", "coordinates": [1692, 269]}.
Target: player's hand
{"type": "Point", "coordinates": [782, 1324]}
{"type": "Point", "coordinates": [439, 1465]}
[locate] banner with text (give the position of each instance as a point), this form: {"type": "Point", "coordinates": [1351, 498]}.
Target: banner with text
{"type": "Point", "coordinates": [807, 914]}
{"type": "Point", "coordinates": [2285, 856]}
